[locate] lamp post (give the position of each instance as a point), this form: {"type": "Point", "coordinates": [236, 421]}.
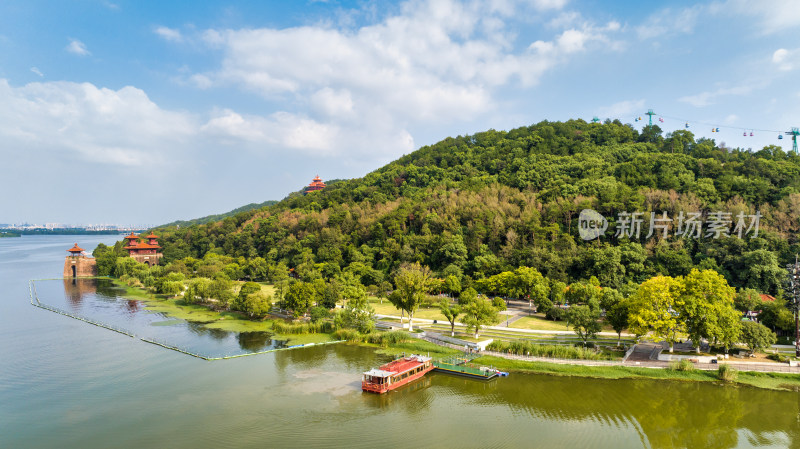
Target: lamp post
{"type": "Point", "coordinates": [793, 293]}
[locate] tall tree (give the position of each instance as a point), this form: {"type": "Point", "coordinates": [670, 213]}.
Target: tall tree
{"type": "Point", "coordinates": [617, 316]}
{"type": "Point", "coordinates": [412, 282]}
{"type": "Point", "coordinates": [654, 308]}
{"type": "Point", "coordinates": [706, 308]}
{"type": "Point", "coordinates": [299, 297]}
{"type": "Point", "coordinates": [451, 312]}
{"type": "Point", "coordinates": [478, 313]}
{"type": "Point", "coordinates": [584, 321]}
{"type": "Point", "coordinates": [756, 336]}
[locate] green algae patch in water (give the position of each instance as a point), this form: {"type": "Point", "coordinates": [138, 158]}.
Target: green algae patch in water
{"type": "Point", "coordinates": [167, 323]}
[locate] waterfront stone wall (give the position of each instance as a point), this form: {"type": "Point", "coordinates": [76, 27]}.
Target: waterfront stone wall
{"type": "Point", "coordinates": [149, 259]}
{"type": "Point", "coordinates": [80, 266]}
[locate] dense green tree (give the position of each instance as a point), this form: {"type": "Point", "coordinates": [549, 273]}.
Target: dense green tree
{"type": "Point", "coordinates": [654, 308]}
{"type": "Point", "coordinates": [257, 304]}
{"type": "Point", "coordinates": [584, 321]}
{"type": "Point", "coordinates": [617, 317]}
{"type": "Point", "coordinates": [299, 297]}
{"type": "Point", "coordinates": [357, 314]}
{"type": "Point", "coordinates": [451, 312]}
{"type": "Point", "coordinates": [412, 282]}
{"type": "Point", "coordinates": [479, 313]}
{"type": "Point", "coordinates": [747, 299]}
{"type": "Point", "coordinates": [467, 296]}
{"type": "Point", "coordinates": [756, 336]}
{"type": "Point", "coordinates": [706, 308]}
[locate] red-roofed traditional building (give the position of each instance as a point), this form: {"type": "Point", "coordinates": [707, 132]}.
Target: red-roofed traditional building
{"type": "Point", "coordinates": [78, 264]}
{"type": "Point", "coordinates": [316, 184]}
{"type": "Point", "coordinates": [145, 252]}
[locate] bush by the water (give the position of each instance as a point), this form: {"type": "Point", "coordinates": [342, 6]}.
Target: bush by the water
{"type": "Point", "coordinates": [282, 328]}
{"type": "Point", "coordinates": [382, 339]}
{"type": "Point", "coordinates": [681, 365]}
{"type": "Point", "coordinates": [727, 373]}
{"type": "Point", "coordinates": [552, 351]}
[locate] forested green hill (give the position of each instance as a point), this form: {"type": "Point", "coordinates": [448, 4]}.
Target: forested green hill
{"type": "Point", "coordinates": [477, 205]}
{"type": "Point", "coordinates": [218, 217]}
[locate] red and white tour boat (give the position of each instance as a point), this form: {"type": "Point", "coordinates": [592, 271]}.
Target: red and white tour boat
{"type": "Point", "coordinates": [396, 373]}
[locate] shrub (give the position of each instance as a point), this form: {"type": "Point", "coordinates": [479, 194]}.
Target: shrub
{"type": "Point", "coordinates": [347, 334]}
{"type": "Point", "coordinates": [498, 303]}
{"type": "Point", "coordinates": [279, 327]}
{"type": "Point", "coordinates": [555, 313]}
{"type": "Point", "coordinates": [778, 357]}
{"type": "Point", "coordinates": [681, 365]}
{"type": "Point", "coordinates": [727, 373]}
{"type": "Point", "coordinates": [318, 313]}
{"type": "Point", "coordinates": [521, 347]}
{"type": "Point", "coordinates": [386, 338]}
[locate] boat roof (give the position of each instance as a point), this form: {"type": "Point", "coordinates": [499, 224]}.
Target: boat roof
{"type": "Point", "coordinates": [374, 372]}
{"type": "Point", "coordinates": [404, 364]}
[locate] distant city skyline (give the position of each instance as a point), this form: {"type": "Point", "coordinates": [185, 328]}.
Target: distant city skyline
{"type": "Point", "coordinates": [138, 112]}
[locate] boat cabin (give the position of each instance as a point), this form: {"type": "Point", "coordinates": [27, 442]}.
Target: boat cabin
{"type": "Point", "coordinates": [395, 373]}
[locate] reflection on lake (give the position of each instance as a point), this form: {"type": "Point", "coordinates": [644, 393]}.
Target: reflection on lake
{"type": "Point", "coordinates": [67, 384]}
{"type": "Point", "coordinates": [101, 300]}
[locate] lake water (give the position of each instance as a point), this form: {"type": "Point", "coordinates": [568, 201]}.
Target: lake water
{"type": "Point", "coordinates": [67, 384]}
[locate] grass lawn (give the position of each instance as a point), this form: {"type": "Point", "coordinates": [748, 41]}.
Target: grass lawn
{"type": "Point", "coordinates": [540, 323]}
{"type": "Point", "coordinates": [268, 288]}
{"type": "Point", "coordinates": [428, 313]}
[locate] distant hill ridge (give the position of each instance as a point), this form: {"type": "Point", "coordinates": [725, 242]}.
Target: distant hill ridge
{"type": "Point", "coordinates": [218, 217]}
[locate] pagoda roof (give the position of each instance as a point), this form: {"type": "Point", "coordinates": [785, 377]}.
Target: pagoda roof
{"type": "Point", "coordinates": [132, 236]}
{"type": "Point", "coordinates": [76, 249]}
{"type": "Point", "coordinates": [151, 236]}
{"type": "Point", "coordinates": [317, 182]}
{"type": "Point", "coordinates": [143, 245]}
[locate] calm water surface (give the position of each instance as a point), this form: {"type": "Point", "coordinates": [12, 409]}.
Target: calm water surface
{"type": "Point", "coordinates": [65, 384]}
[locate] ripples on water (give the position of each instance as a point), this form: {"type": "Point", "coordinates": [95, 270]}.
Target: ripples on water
{"type": "Point", "coordinates": [68, 384]}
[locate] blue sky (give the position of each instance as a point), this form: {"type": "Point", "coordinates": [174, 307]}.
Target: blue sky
{"type": "Point", "coordinates": [143, 112]}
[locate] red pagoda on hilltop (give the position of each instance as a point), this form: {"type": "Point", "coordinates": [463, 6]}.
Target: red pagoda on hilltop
{"type": "Point", "coordinates": [316, 184]}
{"type": "Point", "coordinates": [144, 252]}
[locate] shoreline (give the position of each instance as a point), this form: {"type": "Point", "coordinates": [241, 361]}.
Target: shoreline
{"type": "Point", "coordinates": [755, 379]}
{"type": "Point", "coordinates": [231, 321]}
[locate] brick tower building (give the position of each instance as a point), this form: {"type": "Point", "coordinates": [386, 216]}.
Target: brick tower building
{"type": "Point", "coordinates": [78, 264]}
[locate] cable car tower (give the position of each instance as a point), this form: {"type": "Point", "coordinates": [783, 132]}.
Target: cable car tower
{"type": "Point", "coordinates": [794, 133]}
{"type": "Point", "coordinates": [651, 114]}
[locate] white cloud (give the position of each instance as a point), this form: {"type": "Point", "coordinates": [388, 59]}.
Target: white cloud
{"type": "Point", "coordinates": [769, 15]}
{"type": "Point", "coordinates": [668, 21]}
{"type": "Point", "coordinates": [71, 120]}
{"type": "Point", "coordinates": [77, 47]}
{"type": "Point", "coordinates": [434, 62]}
{"type": "Point", "coordinates": [622, 109]}
{"type": "Point", "coordinates": [169, 34]}
{"type": "Point", "coordinates": [786, 60]}
{"type": "Point", "coordinates": [37, 71]}
{"type": "Point", "coordinates": [709, 97]}
{"type": "Point", "coordinates": [549, 4]}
